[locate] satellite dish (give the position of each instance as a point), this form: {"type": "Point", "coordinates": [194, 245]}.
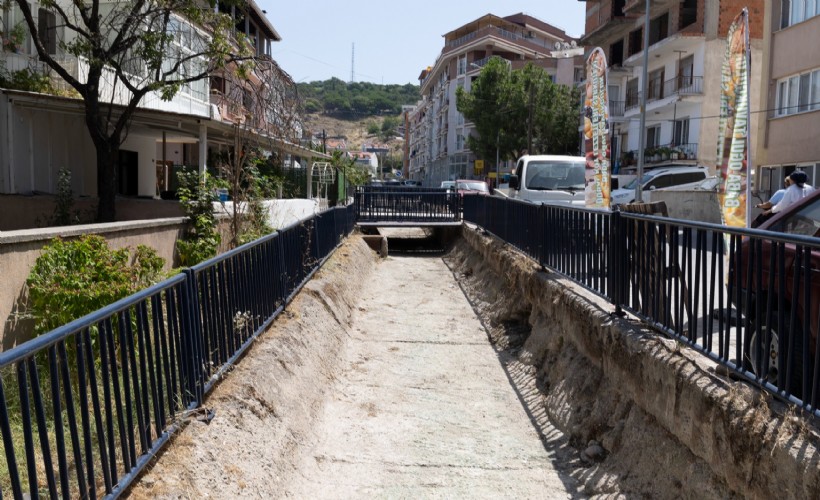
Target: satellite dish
{"type": "Point", "coordinates": [557, 45]}
{"type": "Point", "coordinates": [573, 44]}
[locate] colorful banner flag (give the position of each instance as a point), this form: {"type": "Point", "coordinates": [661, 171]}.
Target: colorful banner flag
{"type": "Point", "coordinates": [596, 132]}
{"type": "Point", "coordinates": [733, 150]}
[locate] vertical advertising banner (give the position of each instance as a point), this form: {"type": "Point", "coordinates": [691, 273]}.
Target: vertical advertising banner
{"type": "Point", "coordinates": [733, 139]}
{"type": "Point", "coordinates": [596, 132]}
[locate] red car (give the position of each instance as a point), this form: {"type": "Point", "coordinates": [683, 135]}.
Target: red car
{"type": "Point", "coordinates": [774, 303]}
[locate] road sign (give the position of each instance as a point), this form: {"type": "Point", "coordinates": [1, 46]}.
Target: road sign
{"type": "Point", "coordinates": [478, 167]}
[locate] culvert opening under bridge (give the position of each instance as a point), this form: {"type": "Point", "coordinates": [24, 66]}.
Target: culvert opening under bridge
{"type": "Point", "coordinates": [464, 372]}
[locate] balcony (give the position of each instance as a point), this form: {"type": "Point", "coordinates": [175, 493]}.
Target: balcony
{"type": "Point", "coordinates": [664, 153]}
{"type": "Point", "coordinates": [657, 89]}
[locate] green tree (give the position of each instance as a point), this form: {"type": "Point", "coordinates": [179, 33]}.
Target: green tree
{"type": "Point", "coordinates": [388, 128]}
{"type": "Point", "coordinates": [134, 46]}
{"type": "Point", "coordinates": [517, 110]}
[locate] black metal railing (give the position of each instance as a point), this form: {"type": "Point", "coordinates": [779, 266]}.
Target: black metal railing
{"type": "Point", "coordinates": [616, 108]}
{"type": "Point", "coordinates": [85, 407]}
{"type": "Point", "coordinates": [406, 204]}
{"type": "Point", "coordinates": [662, 153]}
{"type": "Point", "coordinates": [741, 297]}
{"type": "Point", "coordinates": [660, 89]}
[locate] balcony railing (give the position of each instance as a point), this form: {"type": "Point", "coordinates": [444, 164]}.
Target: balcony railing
{"type": "Point", "coordinates": [616, 108]}
{"type": "Point", "coordinates": [657, 89]}
{"type": "Point", "coordinates": [662, 153]}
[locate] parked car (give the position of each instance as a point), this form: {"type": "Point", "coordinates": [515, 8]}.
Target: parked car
{"type": "Point", "coordinates": [773, 304]}
{"type": "Point", "coordinates": [659, 178]}
{"type": "Point", "coordinates": [466, 186]}
{"type": "Point", "coordinates": [448, 185]}
{"type": "Point", "coordinates": [549, 178]}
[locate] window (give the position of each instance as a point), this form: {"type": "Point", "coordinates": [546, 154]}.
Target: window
{"type": "Point", "coordinates": [681, 134]}
{"type": "Point", "coordinates": [797, 11]}
{"type": "Point", "coordinates": [635, 41]}
{"type": "Point", "coordinates": [655, 88]}
{"type": "Point", "coordinates": [658, 29]}
{"type": "Point", "coordinates": [218, 84]}
{"type": "Point", "coordinates": [653, 136]}
{"type": "Point", "coordinates": [462, 65]}
{"type": "Point", "coordinates": [799, 93]}
{"type": "Point", "coordinates": [616, 53]}
{"type": "Point", "coordinates": [632, 93]}
{"type": "Point", "coordinates": [47, 30]}
{"type": "Point", "coordinates": [686, 71]}
{"type": "Point", "coordinates": [578, 75]}
{"type": "Point", "coordinates": [688, 13]}
{"type": "Point", "coordinates": [459, 142]}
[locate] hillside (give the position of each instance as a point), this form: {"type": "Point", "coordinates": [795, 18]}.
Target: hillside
{"type": "Point", "coordinates": [354, 132]}
{"type": "Point", "coordinates": [356, 100]}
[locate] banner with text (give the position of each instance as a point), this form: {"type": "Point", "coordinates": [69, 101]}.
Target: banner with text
{"type": "Point", "coordinates": [733, 140]}
{"type": "Point", "coordinates": [596, 132]}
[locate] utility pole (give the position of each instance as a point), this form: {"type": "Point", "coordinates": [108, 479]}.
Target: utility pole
{"type": "Point", "coordinates": [529, 120]}
{"type": "Point", "coordinates": [497, 168]}
{"type": "Point", "coordinates": [644, 88]}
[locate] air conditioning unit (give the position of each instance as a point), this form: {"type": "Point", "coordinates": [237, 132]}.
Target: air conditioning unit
{"type": "Point", "coordinates": [215, 114]}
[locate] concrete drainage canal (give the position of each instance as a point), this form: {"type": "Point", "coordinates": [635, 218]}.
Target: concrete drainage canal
{"type": "Point", "coordinates": [451, 366]}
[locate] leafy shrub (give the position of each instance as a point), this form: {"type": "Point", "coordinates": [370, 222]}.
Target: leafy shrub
{"type": "Point", "coordinates": [196, 195]}
{"type": "Point", "coordinates": [73, 278]}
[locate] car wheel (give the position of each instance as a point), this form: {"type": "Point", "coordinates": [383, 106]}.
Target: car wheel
{"type": "Point", "coordinates": [776, 352]}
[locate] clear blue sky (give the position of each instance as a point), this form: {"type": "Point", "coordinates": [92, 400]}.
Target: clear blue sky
{"type": "Point", "coordinates": [394, 40]}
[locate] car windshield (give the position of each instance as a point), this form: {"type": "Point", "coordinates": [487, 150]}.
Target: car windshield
{"type": "Point", "coordinates": [646, 178]}
{"type": "Point", "coordinates": [448, 184]}
{"type": "Point", "coordinates": [473, 186]}
{"type": "Point", "coordinates": [805, 222]}
{"type": "Point", "coordinates": [549, 175]}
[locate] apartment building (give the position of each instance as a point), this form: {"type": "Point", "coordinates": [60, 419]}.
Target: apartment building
{"type": "Point", "coordinates": [437, 148]}
{"type": "Point", "coordinates": [41, 133]}
{"type": "Point", "coordinates": [790, 96]}
{"type": "Point", "coordinates": [686, 51]}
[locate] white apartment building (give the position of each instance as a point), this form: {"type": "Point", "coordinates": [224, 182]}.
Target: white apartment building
{"type": "Point", "coordinates": [438, 147]}
{"type": "Point", "coordinates": [41, 133]}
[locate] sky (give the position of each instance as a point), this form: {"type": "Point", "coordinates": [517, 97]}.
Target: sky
{"type": "Point", "coordinates": [393, 40]}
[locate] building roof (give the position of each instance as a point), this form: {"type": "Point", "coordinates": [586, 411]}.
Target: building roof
{"type": "Point", "coordinates": [261, 19]}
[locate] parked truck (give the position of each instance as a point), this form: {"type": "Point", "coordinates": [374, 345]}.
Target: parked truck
{"type": "Point", "coordinates": [549, 179]}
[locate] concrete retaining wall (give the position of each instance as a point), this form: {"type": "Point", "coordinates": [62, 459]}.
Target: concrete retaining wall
{"type": "Point", "coordinates": [20, 249]}
{"type": "Point", "coordinates": [689, 205]}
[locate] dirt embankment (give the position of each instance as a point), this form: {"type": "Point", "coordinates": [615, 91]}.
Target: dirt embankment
{"type": "Point", "coordinates": [659, 421]}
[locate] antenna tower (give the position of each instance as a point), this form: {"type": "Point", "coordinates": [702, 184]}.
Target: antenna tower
{"type": "Point", "coordinates": [352, 62]}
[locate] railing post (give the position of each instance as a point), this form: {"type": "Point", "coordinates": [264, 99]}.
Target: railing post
{"type": "Point", "coordinates": [193, 359]}
{"type": "Point", "coordinates": [617, 265]}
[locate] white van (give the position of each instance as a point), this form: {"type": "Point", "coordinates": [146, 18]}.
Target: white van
{"type": "Point", "coordinates": [658, 178]}
{"type": "Point", "coordinates": [549, 179]}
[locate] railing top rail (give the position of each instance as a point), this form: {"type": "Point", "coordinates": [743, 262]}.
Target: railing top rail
{"type": "Point", "coordinates": [737, 231]}
{"type": "Point", "coordinates": [44, 341]}
{"type": "Point", "coordinates": [197, 268]}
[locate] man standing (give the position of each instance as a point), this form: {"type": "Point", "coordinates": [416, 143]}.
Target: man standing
{"type": "Point", "coordinates": [797, 191]}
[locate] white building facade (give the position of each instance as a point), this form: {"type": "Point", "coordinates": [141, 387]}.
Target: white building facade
{"type": "Point", "coordinates": [438, 132]}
